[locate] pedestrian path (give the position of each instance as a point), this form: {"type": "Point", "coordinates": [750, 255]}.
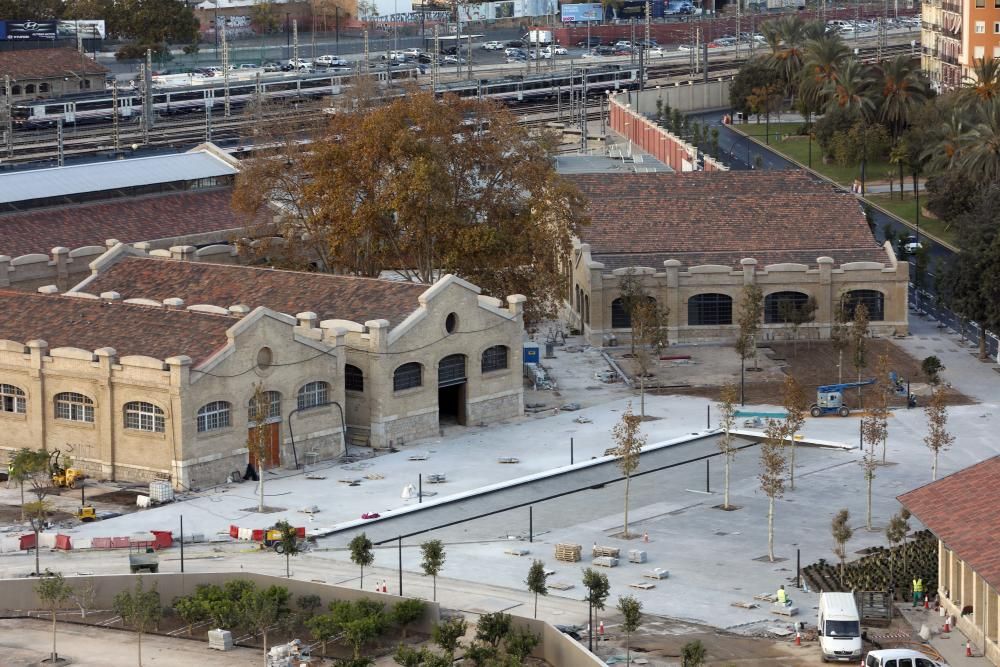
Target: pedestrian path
{"type": "Point", "coordinates": [951, 646]}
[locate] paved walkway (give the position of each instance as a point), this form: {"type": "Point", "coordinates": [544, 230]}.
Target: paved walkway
{"type": "Point", "coordinates": [951, 646]}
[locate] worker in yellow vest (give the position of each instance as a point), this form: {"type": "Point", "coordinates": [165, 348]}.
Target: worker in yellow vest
{"type": "Point", "coordinates": [918, 591]}
{"type": "Point", "coordinates": [782, 597]}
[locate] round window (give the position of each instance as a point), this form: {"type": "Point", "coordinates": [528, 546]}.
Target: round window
{"type": "Point", "coordinates": [264, 358]}
{"type": "Point", "coordinates": [451, 322]}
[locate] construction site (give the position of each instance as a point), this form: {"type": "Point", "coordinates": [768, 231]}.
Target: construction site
{"type": "Point", "coordinates": [544, 487]}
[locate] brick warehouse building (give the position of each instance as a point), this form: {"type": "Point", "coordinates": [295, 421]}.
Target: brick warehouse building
{"type": "Point", "coordinates": [696, 238]}
{"type": "Point", "coordinates": [44, 73]}
{"type": "Point", "coordinates": [961, 511]}
{"type": "Point", "coordinates": [389, 361]}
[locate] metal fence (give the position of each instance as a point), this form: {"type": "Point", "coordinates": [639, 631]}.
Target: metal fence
{"type": "Point", "coordinates": [925, 303]}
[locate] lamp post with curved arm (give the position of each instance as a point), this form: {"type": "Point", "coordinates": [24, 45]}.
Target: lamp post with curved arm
{"type": "Point", "coordinates": [291, 431]}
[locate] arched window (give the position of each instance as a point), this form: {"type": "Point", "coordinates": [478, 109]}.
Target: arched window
{"type": "Point", "coordinates": [272, 399]}
{"type": "Point", "coordinates": [74, 407]}
{"type": "Point", "coordinates": [451, 370]}
{"type": "Point", "coordinates": [29, 89]}
{"type": "Point", "coordinates": [43, 87]}
{"type": "Point", "coordinates": [873, 301]}
{"type": "Point", "coordinates": [354, 379]}
{"type": "Point", "coordinates": [710, 309]}
{"type": "Point", "coordinates": [142, 416]}
{"type": "Point", "coordinates": [314, 394]}
{"type": "Point", "coordinates": [620, 319]}
{"type": "Point", "coordinates": [774, 310]}
{"type": "Point", "coordinates": [495, 358]}
{"type": "Point", "coordinates": [213, 416]}
{"type": "Point", "coordinates": [407, 376]}
{"type": "Point", "coordinates": [586, 309]}
{"type": "Point", "coordinates": [12, 399]}
{"type": "Point", "coordinates": [15, 90]}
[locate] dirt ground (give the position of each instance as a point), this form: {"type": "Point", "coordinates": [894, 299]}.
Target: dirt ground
{"type": "Point", "coordinates": [812, 363]}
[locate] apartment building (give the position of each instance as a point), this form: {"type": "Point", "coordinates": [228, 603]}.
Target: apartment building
{"type": "Point", "coordinates": [955, 34]}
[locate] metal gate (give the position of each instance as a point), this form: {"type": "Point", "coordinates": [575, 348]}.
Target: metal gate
{"type": "Point", "coordinates": [451, 370]}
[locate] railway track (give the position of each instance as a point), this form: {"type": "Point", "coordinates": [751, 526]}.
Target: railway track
{"type": "Point", "coordinates": [43, 145]}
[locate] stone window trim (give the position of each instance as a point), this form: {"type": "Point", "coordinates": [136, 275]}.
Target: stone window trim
{"type": "Point", "coordinates": [773, 301]}
{"type": "Point", "coordinates": [494, 359]}
{"type": "Point", "coordinates": [873, 299]}
{"type": "Point", "coordinates": [143, 417]}
{"type": "Point", "coordinates": [354, 379]}
{"type": "Point", "coordinates": [313, 394]}
{"type": "Point", "coordinates": [71, 406]}
{"type": "Point", "coordinates": [214, 416]}
{"type": "Point", "coordinates": [710, 309]}
{"type": "Point", "coordinates": [407, 376]}
{"type": "Point", "coordinates": [13, 400]}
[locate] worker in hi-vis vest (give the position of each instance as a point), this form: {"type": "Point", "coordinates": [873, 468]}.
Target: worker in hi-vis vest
{"type": "Point", "coordinates": [918, 591]}
{"type": "Point", "coordinates": [782, 597]}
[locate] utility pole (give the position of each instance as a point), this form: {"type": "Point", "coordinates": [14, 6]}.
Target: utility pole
{"type": "Point", "coordinates": [295, 45]}
{"type": "Point", "coordinates": [8, 119]}
{"type": "Point", "coordinates": [225, 70]}
{"type": "Point", "coordinates": [115, 136]}
{"type": "Point", "coordinates": [435, 61]}
{"type": "Point", "coordinates": [59, 141]}
{"type": "Point", "coordinates": [147, 97]}
{"type": "Point", "coordinates": [739, 20]}
{"type": "Point", "coordinates": [367, 53]}
{"type": "Point", "coordinates": [208, 120]}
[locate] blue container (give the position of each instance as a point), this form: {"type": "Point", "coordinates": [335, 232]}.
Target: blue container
{"type": "Point", "coordinates": [531, 353]}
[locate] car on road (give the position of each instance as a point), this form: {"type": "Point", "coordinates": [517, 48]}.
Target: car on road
{"type": "Point", "coordinates": [330, 61]}
{"type": "Point", "coordinates": [589, 42]}
{"type": "Point", "coordinates": [493, 46]}
{"type": "Point", "coordinates": [603, 51]}
{"type": "Point", "coordinates": [895, 657]}
{"type": "Point", "coordinates": [910, 245]}
{"type": "Point", "coordinates": [623, 44]}
{"type": "Point", "coordinates": [298, 64]}
{"type": "Point", "coordinates": [656, 52]}
{"type": "Point", "coordinates": [557, 50]}
{"type": "Point", "coordinates": [514, 44]}
{"type": "Point", "coordinates": [271, 66]}
{"type": "Point", "coordinates": [513, 51]}
{"type": "Point", "coordinates": [413, 52]}
{"type": "Point", "coordinates": [452, 60]}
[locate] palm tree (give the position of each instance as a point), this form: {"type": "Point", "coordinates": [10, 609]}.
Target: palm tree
{"type": "Point", "coordinates": [983, 84]}
{"type": "Point", "coordinates": [854, 90]}
{"type": "Point", "coordinates": [945, 151]}
{"type": "Point", "coordinates": [979, 148]}
{"type": "Point", "coordinates": [824, 56]}
{"type": "Point", "coordinates": [903, 90]}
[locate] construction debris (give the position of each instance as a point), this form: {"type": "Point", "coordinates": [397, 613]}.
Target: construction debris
{"type": "Point", "coordinates": [570, 407]}
{"type": "Point", "coordinates": [560, 585]}
{"type": "Point", "coordinates": [744, 605]}
{"type": "Point", "coordinates": [508, 459]}
{"type": "Point", "coordinates": [374, 476]}
{"type": "Point", "coordinates": [656, 573]}
{"type": "Point", "coordinates": [583, 420]}
{"type": "Point", "coordinates": [309, 509]}
{"type": "Point", "coordinates": [642, 585]}
{"type": "Point", "coordinates": [516, 552]}
{"type": "Point", "coordinates": [315, 476]}
{"type": "Point", "coordinates": [568, 552]}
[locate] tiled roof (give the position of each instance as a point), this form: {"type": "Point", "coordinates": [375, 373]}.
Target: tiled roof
{"type": "Point", "coordinates": [784, 214]}
{"type": "Point", "coordinates": [89, 324]}
{"type": "Point", "coordinates": [614, 261]}
{"type": "Point", "coordinates": [129, 220]}
{"type": "Point", "coordinates": [27, 64]}
{"type": "Point", "coordinates": [291, 292]}
{"type": "Point", "coordinates": [961, 510]}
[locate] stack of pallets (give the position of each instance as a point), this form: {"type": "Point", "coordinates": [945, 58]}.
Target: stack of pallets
{"type": "Point", "coordinates": [613, 552]}
{"type": "Point", "coordinates": [570, 553]}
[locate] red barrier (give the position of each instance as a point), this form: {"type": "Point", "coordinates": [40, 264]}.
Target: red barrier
{"type": "Point", "coordinates": [257, 535]}
{"type": "Point", "coordinates": [234, 532]}
{"type": "Point", "coordinates": [300, 532]}
{"type": "Point", "coordinates": [100, 543]}
{"type": "Point", "coordinates": [62, 542]}
{"type": "Point", "coordinates": [27, 541]}
{"type": "Point", "coordinates": [119, 543]}
{"type": "Point", "coordinates": [164, 539]}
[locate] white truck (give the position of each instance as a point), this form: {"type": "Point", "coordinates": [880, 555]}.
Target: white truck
{"type": "Point", "coordinates": [541, 37]}
{"type": "Point", "coordinates": [839, 628]}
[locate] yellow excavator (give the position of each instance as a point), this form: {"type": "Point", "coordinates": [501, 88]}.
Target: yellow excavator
{"type": "Point", "coordinates": [63, 476]}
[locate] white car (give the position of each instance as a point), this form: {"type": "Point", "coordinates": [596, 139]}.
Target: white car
{"type": "Point", "coordinates": [493, 46]}
{"type": "Point", "coordinates": [900, 657]}
{"type": "Point", "coordinates": [331, 61]}
{"type": "Point", "coordinates": [513, 52]}
{"type": "Point", "coordinates": [623, 44]}
{"type": "Point", "coordinates": [559, 50]}
{"type": "Point", "coordinates": [299, 63]}
{"type": "Point", "coordinates": [656, 52]}
{"type": "Point", "coordinates": [413, 52]}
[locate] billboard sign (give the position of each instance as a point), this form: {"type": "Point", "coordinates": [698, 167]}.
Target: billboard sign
{"type": "Point", "coordinates": [87, 28]}
{"type": "Point", "coordinates": [581, 12]}
{"type": "Point", "coordinates": [35, 31]}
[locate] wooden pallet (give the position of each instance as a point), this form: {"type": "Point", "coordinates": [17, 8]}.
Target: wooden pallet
{"type": "Point", "coordinates": [613, 552]}
{"type": "Point", "coordinates": [569, 553]}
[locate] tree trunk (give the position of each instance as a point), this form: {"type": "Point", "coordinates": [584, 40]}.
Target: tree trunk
{"type": "Point", "coordinates": [840, 367]}
{"type": "Point", "coordinates": [628, 480]}
{"type": "Point", "coordinates": [288, 571]}
{"type": "Point", "coordinates": [933, 479]}
{"type": "Point", "coordinates": [38, 568]}
{"type": "Point", "coordinates": [725, 497]}
{"type": "Point", "coordinates": [140, 649]}
{"type": "Point", "coordinates": [362, 586]}
{"type": "Point", "coordinates": [628, 648]}
{"type": "Point", "coordinates": [791, 467]}
{"type": "Point", "coordinates": [841, 569]}
{"type": "Point", "coordinates": [770, 529]}
{"type": "Point", "coordinates": [536, 605]}
{"type": "Point", "coordinates": [260, 483]}
{"type": "Point", "coordinates": [642, 394]}
{"type": "Point", "coordinates": [55, 656]}
{"type": "Point", "coordinates": [265, 648]}
{"type": "Point", "coordinates": [982, 355]}
{"type": "Point", "coordinates": [435, 596]}
{"type": "Point", "coordinates": [22, 500]}
{"type": "Point", "coordinates": [870, 477]}
{"type": "Point", "coordinates": [885, 443]}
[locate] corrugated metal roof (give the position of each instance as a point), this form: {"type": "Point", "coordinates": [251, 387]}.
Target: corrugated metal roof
{"type": "Point", "coordinates": [112, 175]}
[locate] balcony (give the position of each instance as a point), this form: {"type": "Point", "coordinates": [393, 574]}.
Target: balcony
{"type": "Point", "coordinates": [952, 7]}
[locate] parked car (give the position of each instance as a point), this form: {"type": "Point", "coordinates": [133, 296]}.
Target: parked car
{"type": "Point", "coordinates": [910, 245]}
{"type": "Point", "coordinates": [453, 60]}
{"type": "Point", "coordinates": [550, 51]}
{"type": "Point", "coordinates": [589, 42]}
{"type": "Point", "coordinates": [900, 656]}
{"type": "Point", "coordinates": [492, 46]}
{"type": "Point", "coordinates": [272, 66]}
{"type": "Point", "coordinates": [514, 44]}
{"type": "Point", "coordinates": [413, 52]}
{"type": "Point", "coordinates": [330, 61]}
{"type": "Point", "coordinates": [623, 44]}
{"type": "Point", "coordinates": [512, 52]}
{"type": "Point", "coordinates": [559, 50]}
{"type": "Point", "coordinates": [299, 63]}
{"type": "Point", "coordinates": [656, 52]}
{"type": "Point", "coordinates": [647, 44]}
{"type": "Point", "coordinates": [604, 51]}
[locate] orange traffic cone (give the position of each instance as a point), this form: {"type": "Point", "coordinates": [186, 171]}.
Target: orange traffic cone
{"type": "Point", "coordinates": [947, 624]}
{"type": "Point", "coordinates": [385, 589]}
{"type": "Point", "coordinates": [645, 537]}
{"type": "Point", "coordinates": [798, 638]}
{"type": "Point", "coordinates": [968, 649]}
{"type": "Point", "coordinates": [600, 629]}
{"type": "Point", "coordinates": [927, 603]}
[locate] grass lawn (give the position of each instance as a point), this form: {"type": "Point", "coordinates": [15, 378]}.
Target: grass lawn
{"type": "Point", "coordinates": [907, 210]}
{"type": "Point", "coordinates": [796, 147]}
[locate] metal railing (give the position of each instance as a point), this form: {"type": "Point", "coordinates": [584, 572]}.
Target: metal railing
{"type": "Point", "coordinates": [925, 303]}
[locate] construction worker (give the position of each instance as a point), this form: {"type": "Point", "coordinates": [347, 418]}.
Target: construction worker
{"type": "Point", "coordinates": [918, 591]}
{"type": "Point", "coordinates": [782, 597]}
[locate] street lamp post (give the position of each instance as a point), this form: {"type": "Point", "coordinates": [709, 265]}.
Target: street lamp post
{"type": "Point", "coordinates": [810, 150]}
{"type": "Point", "coordinates": [288, 34]}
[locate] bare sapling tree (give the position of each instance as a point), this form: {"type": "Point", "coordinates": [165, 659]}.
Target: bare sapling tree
{"type": "Point", "coordinates": [859, 344]}
{"type": "Point", "coordinates": [631, 293]}
{"type": "Point", "coordinates": [879, 409]}
{"type": "Point", "coordinates": [772, 473]}
{"type": "Point", "coordinates": [795, 315]}
{"type": "Point", "coordinates": [751, 310]}
{"type": "Point", "coordinates": [937, 439]}
{"type": "Point", "coordinates": [259, 437]}
{"type": "Point", "coordinates": [872, 433]}
{"type": "Point", "coordinates": [650, 322]}
{"type": "Point", "coordinates": [628, 446]}
{"type": "Point", "coordinates": [895, 533]}
{"type": "Point", "coordinates": [842, 532]}
{"type": "Point", "coordinates": [840, 335]}
{"type": "Point", "coordinates": [727, 422]}
{"type": "Point", "coordinates": [794, 400]}
{"type": "Point", "coordinates": [53, 591]}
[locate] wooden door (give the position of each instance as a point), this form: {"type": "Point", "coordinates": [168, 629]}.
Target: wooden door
{"type": "Point", "coordinates": [273, 439]}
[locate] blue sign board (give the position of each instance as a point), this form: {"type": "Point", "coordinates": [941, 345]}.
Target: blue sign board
{"type": "Point", "coordinates": [581, 12]}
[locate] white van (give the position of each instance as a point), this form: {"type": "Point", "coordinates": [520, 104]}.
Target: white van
{"type": "Point", "coordinates": [839, 627]}
{"type": "Point", "coordinates": [900, 657]}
